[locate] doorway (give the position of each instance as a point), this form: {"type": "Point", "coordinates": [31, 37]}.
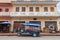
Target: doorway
{"type": "Point", "coordinates": [37, 22]}
{"type": "Point", "coordinates": [52, 25]}
{"type": "Point", "coordinates": [4, 27]}
{"type": "Point", "coordinates": [17, 25]}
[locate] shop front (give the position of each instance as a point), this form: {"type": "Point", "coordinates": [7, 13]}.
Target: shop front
{"type": "Point", "coordinates": [50, 26]}
{"type": "Point", "coordinates": [46, 23]}
{"type": "Point", "coordinates": [5, 24]}
{"type": "Point", "coordinates": [17, 24]}
{"type": "Point", "coordinates": [4, 27]}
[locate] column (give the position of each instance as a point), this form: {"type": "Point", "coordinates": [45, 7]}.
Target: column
{"type": "Point", "coordinates": [42, 25]}
{"type": "Point", "coordinates": [11, 28]}
{"type": "Point", "coordinates": [49, 9]}
{"type": "Point", "coordinates": [58, 26]}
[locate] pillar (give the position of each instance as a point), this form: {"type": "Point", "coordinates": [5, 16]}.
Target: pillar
{"type": "Point", "coordinates": [58, 26]}
{"type": "Point", "coordinates": [42, 25]}
{"type": "Point", "coordinates": [11, 28]}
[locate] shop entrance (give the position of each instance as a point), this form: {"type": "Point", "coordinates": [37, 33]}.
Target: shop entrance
{"type": "Point", "coordinates": [4, 26]}
{"type": "Point", "coordinates": [38, 22]}
{"type": "Point", "coordinates": [51, 26]}
{"type": "Point", "coordinates": [16, 25]}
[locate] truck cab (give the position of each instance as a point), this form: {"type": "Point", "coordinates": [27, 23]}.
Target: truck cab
{"type": "Point", "coordinates": [29, 28]}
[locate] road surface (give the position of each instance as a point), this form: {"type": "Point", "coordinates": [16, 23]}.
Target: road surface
{"type": "Point", "coordinates": [30, 38]}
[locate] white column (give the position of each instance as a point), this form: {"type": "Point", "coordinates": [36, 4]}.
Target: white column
{"type": "Point", "coordinates": [11, 28]}
{"type": "Point", "coordinates": [58, 26]}
{"type": "Point", "coordinates": [49, 9]}
{"type": "Point", "coordinates": [42, 25]}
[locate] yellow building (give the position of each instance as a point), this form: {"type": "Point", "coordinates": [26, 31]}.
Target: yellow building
{"type": "Point", "coordinates": [44, 12]}
{"type": "Point", "coordinates": [38, 11]}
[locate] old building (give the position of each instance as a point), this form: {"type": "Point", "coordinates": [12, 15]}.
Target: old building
{"type": "Point", "coordinates": [21, 11]}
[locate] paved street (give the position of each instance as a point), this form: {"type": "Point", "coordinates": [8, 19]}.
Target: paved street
{"type": "Point", "coordinates": [30, 38]}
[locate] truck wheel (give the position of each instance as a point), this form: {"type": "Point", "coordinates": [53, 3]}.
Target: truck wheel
{"type": "Point", "coordinates": [19, 34]}
{"type": "Point", "coordinates": [38, 35]}
{"type": "Point", "coordinates": [34, 35]}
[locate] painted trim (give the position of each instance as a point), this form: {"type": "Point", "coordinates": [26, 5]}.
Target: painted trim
{"type": "Point", "coordinates": [50, 20]}
{"type": "Point", "coordinates": [25, 20]}
{"type": "Point", "coordinates": [5, 20]}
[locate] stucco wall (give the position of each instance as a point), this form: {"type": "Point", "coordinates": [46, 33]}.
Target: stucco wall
{"type": "Point", "coordinates": [40, 6]}
{"type": "Point", "coordinates": [4, 6]}
{"type": "Point", "coordinates": [8, 1]}
{"type": "Point", "coordinates": [41, 19]}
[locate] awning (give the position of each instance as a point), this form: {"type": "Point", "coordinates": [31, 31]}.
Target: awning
{"type": "Point", "coordinates": [4, 23]}
{"type": "Point", "coordinates": [31, 24]}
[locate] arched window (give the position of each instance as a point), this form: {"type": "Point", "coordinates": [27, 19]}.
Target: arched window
{"type": "Point", "coordinates": [23, 9]}
{"type": "Point", "coordinates": [37, 9]}
{"type": "Point", "coordinates": [0, 10]}
{"type": "Point", "coordinates": [17, 9]}
{"type": "Point", "coordinates": [45, 9]}
{"type": "Point", "coordinates": [52, 9]}
{"type": "Point", "coordinates": [31, 9]}
{"type": "Point", "coordinates": [6, 10]}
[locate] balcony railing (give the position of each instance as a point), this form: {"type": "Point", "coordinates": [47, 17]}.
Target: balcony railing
{"type": "Point", "coordinates": [35, 14]}
{"type": "Point", "coordinates": [4, 13]}
{"type": "Point", "coordinates": [29, 14]}
{"type": "Point", "coordinates": [35, 2]}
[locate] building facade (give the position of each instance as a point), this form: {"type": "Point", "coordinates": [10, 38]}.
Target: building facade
{"type": "Point", "coordinates": [21, 11]}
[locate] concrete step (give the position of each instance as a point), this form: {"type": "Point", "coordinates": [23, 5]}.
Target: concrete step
{"type": "Point", "coordinates": [50, 34]}
{"type": "Point", "coordinates": [42, 34]}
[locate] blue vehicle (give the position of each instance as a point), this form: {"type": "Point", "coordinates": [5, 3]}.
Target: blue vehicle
{"type": "Point", "coordinates": [29, 28]}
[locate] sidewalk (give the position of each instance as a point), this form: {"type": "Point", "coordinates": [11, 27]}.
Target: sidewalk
{"type": "Point", "coordinates": [50, 34]}
{"type": "Point", "coordinates": [42, 34]}
{"type": "Point", "coordinates": [8, 34]}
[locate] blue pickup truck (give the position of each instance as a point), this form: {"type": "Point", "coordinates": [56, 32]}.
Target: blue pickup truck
{"type": "Point", "coordinates": [32, 29]}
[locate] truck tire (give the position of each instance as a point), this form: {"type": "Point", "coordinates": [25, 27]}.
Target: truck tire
{"type": "Point", "coordinates": [38, 35]}
{"type": "Point", "coordinates": [19, 34]}
{"type": "Point", "coordinates": [34, 35]}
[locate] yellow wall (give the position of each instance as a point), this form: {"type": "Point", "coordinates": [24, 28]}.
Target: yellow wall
{"type": "Point", "coordinates": [41, 19]}
{"type": "Point", "coordinates": [31, 18]}
{"type": "Point", "coordinates": [29, 0]}
{"type": "Point", "coordinates": [7, 1]}
{"type": "Point", "coordinates": [34, 5]}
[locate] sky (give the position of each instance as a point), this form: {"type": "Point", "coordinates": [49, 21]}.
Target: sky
{"type": "Point", "coordinates": [58, 6]}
